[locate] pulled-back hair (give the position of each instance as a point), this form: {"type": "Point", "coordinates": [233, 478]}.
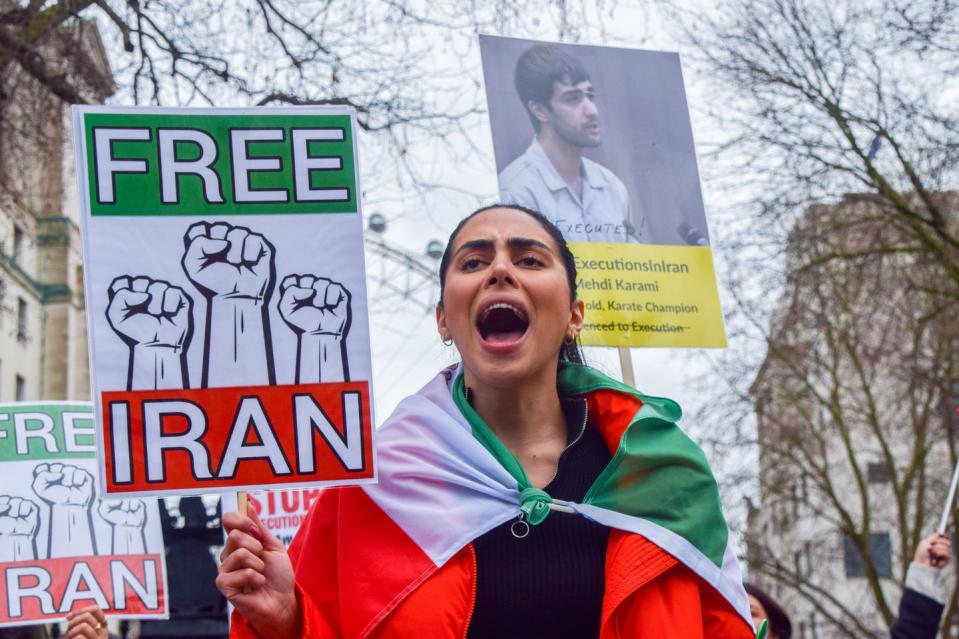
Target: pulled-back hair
{"type": "Point", "coordinates": [538, 68]}
{"type": "Point", "coordinates": [568, 352]}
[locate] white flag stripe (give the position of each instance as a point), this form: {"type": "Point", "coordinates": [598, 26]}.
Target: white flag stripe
{"type": "Point", "coordinates": [728, 580]}
{"type": "Point", "coordinates": [437, 482]}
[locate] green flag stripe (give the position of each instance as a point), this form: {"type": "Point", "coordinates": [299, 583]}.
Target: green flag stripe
{"type": "Point", "coordinates": [487, 437]}
{"type": "Point", "coordinates": [657, 473]}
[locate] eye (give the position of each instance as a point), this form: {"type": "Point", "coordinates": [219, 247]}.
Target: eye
{"type": "Point", "coordinates": [471, 264]}
{"type": "Point", "coordinates": [530, 261]}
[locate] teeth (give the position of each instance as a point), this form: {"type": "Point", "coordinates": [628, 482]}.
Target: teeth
{"type": "Point", "coordinates": [518, 312]}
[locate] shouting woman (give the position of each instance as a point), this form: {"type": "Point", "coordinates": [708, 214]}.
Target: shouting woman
{"type": "Point", "coordinates": [520, 493]}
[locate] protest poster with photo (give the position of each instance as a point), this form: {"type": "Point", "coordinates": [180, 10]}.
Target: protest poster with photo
{"type": "Point", "coordinates": [598, 139]}
{"type": "Point", "coordinates": [226, 294]}
{"type": "Point", "coordinates": [61, 546]}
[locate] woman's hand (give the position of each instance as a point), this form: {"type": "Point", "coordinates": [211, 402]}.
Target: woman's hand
{"type": "Point", "coordinates": [87, 623]}
{"type": "Point", "coordinates": [256, 576]}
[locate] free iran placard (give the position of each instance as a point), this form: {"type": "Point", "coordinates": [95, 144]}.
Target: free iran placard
{"type": "Point", "coordinates": [225, 288]}
{"type": "Point", "coordinates": [62, 547]}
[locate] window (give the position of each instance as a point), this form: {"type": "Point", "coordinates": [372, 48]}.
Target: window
{"type": "Point", "coordinates": [880, 548]}
{"type": "Point", "coordinates": [17, 244]}
{"type": "Point", "coordinates": [877, 473]}
{"type": "Point", "coordinates": [20, 391]}
{"type": "Point", "coordinates": [21, 319]}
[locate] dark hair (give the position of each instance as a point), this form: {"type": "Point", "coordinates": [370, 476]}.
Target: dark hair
{"type": "Point", "coordinates": [568, 352]}
{"type": "Point", "coordinates": [538, 68]}
{"type": "Point", "coordinates": [779, 623]}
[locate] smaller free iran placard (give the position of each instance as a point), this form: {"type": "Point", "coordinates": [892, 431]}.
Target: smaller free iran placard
{"type": "Point", "coordinates": [61, 546]}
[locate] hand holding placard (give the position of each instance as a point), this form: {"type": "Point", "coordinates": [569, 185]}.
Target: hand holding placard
{"type": "Point", "coordinates": [256, 575]}
{"type": "Point", "coordinates": [318, 311]}
{"type": "Point", "coordinates": [19, 519]}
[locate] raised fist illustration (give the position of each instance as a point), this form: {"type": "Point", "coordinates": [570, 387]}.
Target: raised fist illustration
{"type": "Point", "coordinates": [124, 512]}
{"type": "Point", "coordinates": [128, 518]}
{"type": "Point", "coordinates": [69, 491]}
{"type": "Point", "coordinates": [315, 305]}
{"type": "Point", "coordinates": [63, 485]}
{"type": "Point", "coordinates": [19, 520]}
{"type": "Point", "coordinates": [228, 261]}
{"type": "Point", "coordinates": [146, 312]}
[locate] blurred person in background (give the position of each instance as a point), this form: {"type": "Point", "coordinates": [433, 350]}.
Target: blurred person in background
{"type": "Point", "coordinates": [923, 599]}
{"type": "Point", "coordinates": [763, 607]}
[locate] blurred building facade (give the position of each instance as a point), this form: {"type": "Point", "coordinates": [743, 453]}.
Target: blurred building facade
{"type": "Point", "coordinates": [43, 340]}
{"type": "Point", "coordinates": [855, 411]}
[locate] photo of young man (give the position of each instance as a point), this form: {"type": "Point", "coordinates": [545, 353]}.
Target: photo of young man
{"type": "Point", "coordinates": [586, 200]}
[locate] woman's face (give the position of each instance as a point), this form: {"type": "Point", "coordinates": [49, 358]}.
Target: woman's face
{"type": "Point", "coordinates": [506, 303]}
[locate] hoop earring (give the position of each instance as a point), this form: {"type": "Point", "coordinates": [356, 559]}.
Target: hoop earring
{"type": "Point", "coordinates": [448, 341]}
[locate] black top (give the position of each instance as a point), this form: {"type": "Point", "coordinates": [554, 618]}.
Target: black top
{"type": "Point", "coordinates": [550, 583]}
{"type": "Point", "coordinates": [919, 617]}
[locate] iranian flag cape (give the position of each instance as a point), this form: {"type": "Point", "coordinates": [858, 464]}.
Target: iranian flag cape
{"type": "Point", "coordinates": [446, 479]}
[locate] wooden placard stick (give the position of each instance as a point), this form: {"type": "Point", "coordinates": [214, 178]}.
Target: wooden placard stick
{"type": "Point", "coordinates": [242, 505]}
{"type": "Point", "coordinates": [626, 364]}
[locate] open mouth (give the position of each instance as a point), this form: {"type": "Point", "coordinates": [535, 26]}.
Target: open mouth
{"type": "Point", "coordinates": [502, 323]}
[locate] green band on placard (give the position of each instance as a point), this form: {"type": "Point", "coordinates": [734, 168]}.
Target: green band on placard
{"type": "Point", "coordinates": [150, 164]}
{"type": "Point", "coordinates": [35, 431]}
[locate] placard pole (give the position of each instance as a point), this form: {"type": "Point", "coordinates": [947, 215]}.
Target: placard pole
{"type": "Point", "coordinates": [626, 364]}
{"type": "Point", "coordinates": [947, 509]}
{"type": "Point", "coordinates": [241, 507]}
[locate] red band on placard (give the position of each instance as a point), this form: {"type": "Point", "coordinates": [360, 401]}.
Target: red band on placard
{"type": "Point", "coordinates": [51, 588]}
{"type": "Point", "coordinates": [238, 437]}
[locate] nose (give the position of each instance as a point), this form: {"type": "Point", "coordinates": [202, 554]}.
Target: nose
{"type": "Point", "coordinates": [589, 107]}
{"type": "Point", "coordinates": [501, 272]}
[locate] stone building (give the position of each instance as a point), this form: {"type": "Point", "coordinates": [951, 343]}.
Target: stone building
{"type": "Point", "coordinates": [43, 341]}
{"type": "Point", "coordinates": [855, 411]}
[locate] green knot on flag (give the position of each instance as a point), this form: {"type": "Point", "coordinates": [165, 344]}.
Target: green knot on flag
{"type": "Point", "coordinates": [535, 504]}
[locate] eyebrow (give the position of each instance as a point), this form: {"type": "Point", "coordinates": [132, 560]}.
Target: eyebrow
{"type": "Point", "coordinates": [514, 242]}
{"type": "Point", "coordinates": [525, 242]}
{"type": "Point", "coordinates": [576, 89]}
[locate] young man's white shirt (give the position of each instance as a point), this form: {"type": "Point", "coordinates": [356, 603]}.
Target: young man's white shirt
{"type": "Point", "coordinates": [603, 213]}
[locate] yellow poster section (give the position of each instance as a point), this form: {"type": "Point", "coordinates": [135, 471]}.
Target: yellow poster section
{"type": "Point", "coordinates": [648, 295]}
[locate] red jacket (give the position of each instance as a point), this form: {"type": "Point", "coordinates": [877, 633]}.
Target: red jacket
{"type": "Point", "coordinates": [346, 582]}
{"type": "Point", "coordinates": [359, 575]}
